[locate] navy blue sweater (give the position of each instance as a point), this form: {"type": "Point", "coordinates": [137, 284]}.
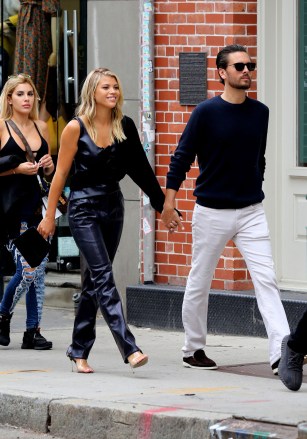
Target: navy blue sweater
{"type": "Point", "coordinates": [229, 141]}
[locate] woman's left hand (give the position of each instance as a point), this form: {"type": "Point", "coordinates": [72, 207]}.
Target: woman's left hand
{"type": "Point", "coordinates": [46, 163]}
{"type": "Point", "coordinates": [46, 227]}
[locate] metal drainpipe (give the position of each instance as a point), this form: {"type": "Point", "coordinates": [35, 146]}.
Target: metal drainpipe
{"type": "Point", "coordinates": [148, 129]}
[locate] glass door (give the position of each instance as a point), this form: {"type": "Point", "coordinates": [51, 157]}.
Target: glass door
{"type": "Point", "coordinates": [69, 71]}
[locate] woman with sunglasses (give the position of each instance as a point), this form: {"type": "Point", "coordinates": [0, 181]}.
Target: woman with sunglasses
{"type": "Point", "coordinates": [20, 202]}
{"type": "Point", "coordinates": [104, 146]}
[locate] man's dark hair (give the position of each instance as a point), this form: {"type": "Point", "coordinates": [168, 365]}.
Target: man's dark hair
{"type": "Point", "coordinates": [222, 56]}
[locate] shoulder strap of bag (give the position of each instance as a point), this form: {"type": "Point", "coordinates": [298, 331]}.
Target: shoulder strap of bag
{"type": "Point", "coordinates": [30, 155]}
{"type": "Point", "coordinates": [24, 140]}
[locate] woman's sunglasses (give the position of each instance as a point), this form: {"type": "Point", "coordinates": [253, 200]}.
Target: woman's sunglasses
{"type": "Point", "coordinates": [239, 66]}
{"type": "Point", "coordinates": [23, 75]}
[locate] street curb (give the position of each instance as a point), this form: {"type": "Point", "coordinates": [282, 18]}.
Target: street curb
{"type": "Point", "coordinates": [24, 411]}
{"type": "Point", "coordinates": [80, 418]}
{"type": "Point", "coordinates": [134, 421]}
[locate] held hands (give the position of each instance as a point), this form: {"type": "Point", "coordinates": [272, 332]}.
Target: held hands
{"type": "Point", "coordinates": [171, 219]}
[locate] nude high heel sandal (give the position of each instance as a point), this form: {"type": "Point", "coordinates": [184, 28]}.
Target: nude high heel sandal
{"type": "Point", "coordinates": [137, 359]}
{"type": "Point", "coordinates": [82, 365]}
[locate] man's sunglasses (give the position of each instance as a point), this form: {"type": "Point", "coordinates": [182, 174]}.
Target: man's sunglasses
{"type": "Point", "coordinates": [239, 66]}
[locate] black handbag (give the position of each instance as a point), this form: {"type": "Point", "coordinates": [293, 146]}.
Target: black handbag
{"type": "Point", "coordinates": [9, 162]}
{"type": "Point", "coordinates": [32, 246]}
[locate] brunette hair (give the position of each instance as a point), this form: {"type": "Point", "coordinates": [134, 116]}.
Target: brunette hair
{"type": "Point", "coordinates": [6, 111]}
{"type": "Point", "coordinates": [87, 105]}
{"type": "Point", "coordinates": [222, 56]}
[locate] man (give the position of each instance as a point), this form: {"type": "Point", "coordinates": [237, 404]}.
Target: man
{"type": "Point", "coordinates": [293, 351]}
{"type": "Point", "coordinates": [228, 135]}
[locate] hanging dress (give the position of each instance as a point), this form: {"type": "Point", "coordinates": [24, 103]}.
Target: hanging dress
{"type": "Point", "coordinates": [33, 39]}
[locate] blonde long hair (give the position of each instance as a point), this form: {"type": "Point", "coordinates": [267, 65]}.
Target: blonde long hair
{"type": "Point", "coordinates": [6, 110]}
{"type": "Point", "coordinates": [87, 105]}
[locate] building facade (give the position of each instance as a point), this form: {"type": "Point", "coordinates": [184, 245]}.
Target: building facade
{"type": "Point", "coordinates": [274, 34]}
{"type": "Point", "coordinates": [199, 27]}
{"type": "Point", "coordinates": [111, 33]}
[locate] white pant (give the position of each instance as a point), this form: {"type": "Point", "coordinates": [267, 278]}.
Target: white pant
{"type": "Point", "coordinates": [212, 229]}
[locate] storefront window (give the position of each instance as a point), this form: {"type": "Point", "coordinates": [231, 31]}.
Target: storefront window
{"type": "Point", "coordinates": [302, 83]}
{"type": "Point", "coordinates": [46, 39]}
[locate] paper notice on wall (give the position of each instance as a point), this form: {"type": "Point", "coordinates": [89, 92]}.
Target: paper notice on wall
{"type": "Point", "coordinates": [146, 127]}
{"type": "Point", "coordinates": [150, 134]}
{"type": "Point", "coordinates": [145, 200]}
{"type": "Point", "coordinates": [147, 6]}
{"type": "Point", "coordinates": [146, 226]}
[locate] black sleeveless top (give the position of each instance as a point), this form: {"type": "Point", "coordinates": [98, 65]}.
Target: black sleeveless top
{"type": "Point", "coordinates": [98, 170]}
{"type": "Point", "coordinates": [26, 197]}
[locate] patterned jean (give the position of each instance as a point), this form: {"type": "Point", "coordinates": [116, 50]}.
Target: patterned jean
{"type": "Point", "coordinates": [26, 281]}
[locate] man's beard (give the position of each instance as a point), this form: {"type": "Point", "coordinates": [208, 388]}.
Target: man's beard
{"type": "Point", "coordinates": [240, 86]}
{"type": "Point", "coordinates": [243, 87]}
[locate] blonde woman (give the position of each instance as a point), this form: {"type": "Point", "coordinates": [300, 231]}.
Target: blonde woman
{"type": "Point", "coordinates": [20, 202]}
{"type": "Point", "coordinates": [104, 146]}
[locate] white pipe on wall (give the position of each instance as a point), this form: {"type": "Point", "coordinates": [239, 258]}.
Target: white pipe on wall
{"type": "Point", "coordinates": [148, 129]}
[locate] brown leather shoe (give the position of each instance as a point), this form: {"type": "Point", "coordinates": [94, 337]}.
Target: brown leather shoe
{"type": "Point", "coordinates": [199, 361]}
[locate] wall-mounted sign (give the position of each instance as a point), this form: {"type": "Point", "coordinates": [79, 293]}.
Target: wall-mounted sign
{"type": "Point", "coordinates": [192, 77]}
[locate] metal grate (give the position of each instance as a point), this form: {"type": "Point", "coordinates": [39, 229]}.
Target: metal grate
{"type": "Point", "coordinates": [262, 370]}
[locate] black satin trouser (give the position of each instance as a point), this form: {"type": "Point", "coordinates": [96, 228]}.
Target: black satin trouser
{"type": "Point", "coordinates": [96, 224]}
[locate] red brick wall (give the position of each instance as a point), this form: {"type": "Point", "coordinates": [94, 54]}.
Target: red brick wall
{"type": "Point", "coordinates": [193, 26]}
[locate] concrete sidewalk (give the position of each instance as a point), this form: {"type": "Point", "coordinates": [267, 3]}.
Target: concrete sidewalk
{"type": "Point", "coordinates": [161, 400]}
